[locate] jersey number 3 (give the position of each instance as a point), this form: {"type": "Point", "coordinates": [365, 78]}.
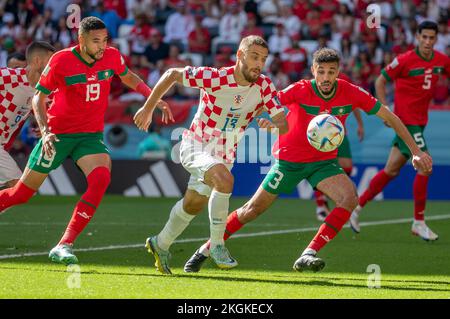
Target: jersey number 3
{"type": "Point", "coordinates": [92, 92]}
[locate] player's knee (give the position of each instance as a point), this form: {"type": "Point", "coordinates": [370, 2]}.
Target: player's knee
{"type": "Point", "coordinates": [392, 172]}
{"type": "Point", "coordinates": [223, 181]}
{"type": "Point", "coordinates": [348, 201]}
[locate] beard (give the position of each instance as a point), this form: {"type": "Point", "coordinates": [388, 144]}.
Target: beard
{"type": "Point", "coordinates": [93, 56]}
{"type": "Point", "coordinates": [329, 91]}
{"type": "Point", "coordinates": [247, 76]}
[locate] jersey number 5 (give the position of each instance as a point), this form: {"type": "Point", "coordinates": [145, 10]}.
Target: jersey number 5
{"type": "Point", "coordinates": [427, 82]}
{"type": "Point", "coordinates": [92, 92]}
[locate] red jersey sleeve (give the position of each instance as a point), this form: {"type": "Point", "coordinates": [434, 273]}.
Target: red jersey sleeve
{"type": "Point", "coordinates": [49, 80]}
{"type": "Point", "coordinates": [203, 77]}
{"type": "Point", "coordinates": [292, 94]}
{"type": "Point", "coordinates": [394, 69]}
{"type": "Point", "coordinates": [119, 66]}
{"type": "Point", "coordinates": [270, 98]}
{"type": "Point", "coordinates": [447, 66]}
{"type": "Point", "coordinates": [364, 100]}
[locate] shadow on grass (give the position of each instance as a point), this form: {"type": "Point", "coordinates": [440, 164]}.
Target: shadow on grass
{"type": "Point", "coordinates": [307, 280]}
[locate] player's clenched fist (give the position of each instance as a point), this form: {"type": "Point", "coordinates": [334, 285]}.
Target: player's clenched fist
{"type": "Point", "coordinates": [423, 162]}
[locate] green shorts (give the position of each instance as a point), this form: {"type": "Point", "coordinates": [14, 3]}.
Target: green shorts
{"type": "Point", "coordinates": [284, 176]}
{"type": "Point", "coordinates": [417, 134]}
{"type": "Point", "coordinates": [344, 150]}
{"type": "Point", "coordinates": [70, 145]}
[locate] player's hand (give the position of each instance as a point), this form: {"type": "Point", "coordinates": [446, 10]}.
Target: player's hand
{"type": "Point", "coordinates": [266, 124]}
{"type": "Point", "coordinates": [422, 162]}
{"type": "Point", "coordinates": [48, 147]}
{"type": "Point", "coordinates": [143, 118]}
{"type": "Point", "coordinates": [166, 112]}
{"type": "Point", "coordinates": [360, 133]}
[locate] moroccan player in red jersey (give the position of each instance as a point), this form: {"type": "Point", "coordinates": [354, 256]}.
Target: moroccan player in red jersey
{"type": "Point", "coordinates": [80, 79]}
{"type": "Point", "coordinates": [298, 160]}
{"type": "Point", "coordinates": [415, 74]}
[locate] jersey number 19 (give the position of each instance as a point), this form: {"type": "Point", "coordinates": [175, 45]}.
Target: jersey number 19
{"type": "Point", "coordinates": [92, 92]}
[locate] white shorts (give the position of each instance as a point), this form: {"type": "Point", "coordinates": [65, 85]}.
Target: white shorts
{"type": "Point", "coordinates": [8, 168]}
{"type": "Point", "coordinates": [197, 161]}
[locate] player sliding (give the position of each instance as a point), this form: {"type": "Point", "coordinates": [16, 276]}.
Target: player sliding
{"type": "Point", "coordinates": [415, 74]}
{"type": "Point", "coordinates": [296, 159]}
{"type": "Point", "coordinates": [16, 92]}
{"type": "Point", "coordinates": [230, 99]}
{"type": "Point", "coordinates": [80, 78]}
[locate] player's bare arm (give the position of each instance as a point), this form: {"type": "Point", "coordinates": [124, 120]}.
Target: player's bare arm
{"type": "Point", "coordinates": [134, 82]}
{"type": "Point", "coordinates": [40, 113]}
{"type": "Point", "coordinates": [277, 125]}
{"type": "Point", "coordinates": [420, 160]}
{"type": "Point", "coordinates": [143, 117]}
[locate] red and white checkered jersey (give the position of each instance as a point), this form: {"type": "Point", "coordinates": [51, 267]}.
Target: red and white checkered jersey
{"type": "Point", "coordinates": [15, 103]}
{"type": "Point", "coordinates": [226, 108]}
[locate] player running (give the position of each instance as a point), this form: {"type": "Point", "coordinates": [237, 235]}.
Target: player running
{"type": "Point", "coordinates": [298, 160]}
{"type": "Point", "coordinates": [230, 98]}
{"type": "Point", "coordinates": [16, 92]}
{"type": "Point", "coordinates": [80, 79]}
{"type": "Point", "coordinates": [415, 74]}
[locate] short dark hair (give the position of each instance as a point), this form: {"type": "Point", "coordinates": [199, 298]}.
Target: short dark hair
{"type": "Point", "coordinates": [16, 55]}
{"type": "Point", "coordinates": [38, 47]}
{"type": "Point", "coordinates": [253, 40]}
{"type": "Point", "coordinates": [427, 25]}
{"type": "Point", "coordinates": [91, 23]}
{"type": "Point", "coordinates": [325, 55]}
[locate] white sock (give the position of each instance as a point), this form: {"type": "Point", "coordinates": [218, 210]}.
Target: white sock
{"type": "Point", "coordinates": [204, 250]}
{"type": "Point", "coordinates": [218, 211]}
{"type": "Point", "coordinates": [309, 251]}
{"type": "Point", "coordinates": [177, 223]}
{"type": "Point", "coordinates": [357, 210]}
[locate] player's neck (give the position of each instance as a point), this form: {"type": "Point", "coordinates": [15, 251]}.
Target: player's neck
{"type": "Point", "coordinates": [427, 56]}
{"type": "Point", "coordinates": [239, 78]}
{"type": "Point", "coordinates": [86, 57]}
{"type": "Point", "coordinates": [32, 76]}
{"type": "Point", "coordinates": [329, 94]}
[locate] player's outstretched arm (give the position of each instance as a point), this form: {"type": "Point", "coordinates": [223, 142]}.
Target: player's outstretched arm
{"type": "Point", "coordinates": [420, 160]}
{"type": "Point", "coordinates": [134, 82]}
{"type": "Point", "coordinates": [40, 113]}
{"type": "Point", "coordinates": [277, 125]}
{"type": "Point", "coordinates": [143, 116]}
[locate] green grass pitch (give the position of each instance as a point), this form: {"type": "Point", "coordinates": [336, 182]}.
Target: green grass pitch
{"type": "Point", "coordinates": [121, 267]}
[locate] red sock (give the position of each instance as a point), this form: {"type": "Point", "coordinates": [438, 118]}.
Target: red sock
{"type": "Point", "coordinates": [98, 181]}
{"type": "Point", "coordinates": [16, 195]}
{"type": "Point", "coordinates": [420, 196]}
{"type": "Point", "coordinates": [233, 225]}
{"type": "Point", "coordinates": [348, 170]}
{"type": "Point", "coordinates": [320, 198]}
{"type": "Point", "coordinates": [331, 226]}
{"type": "Point", "coordinates": [376, 185]}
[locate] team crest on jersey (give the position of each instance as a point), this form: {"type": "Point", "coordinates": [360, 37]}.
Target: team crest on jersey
{"type": "Point", "coordinates": [238, 99]}
{"type": "Point", "coordinates": [394, 63]}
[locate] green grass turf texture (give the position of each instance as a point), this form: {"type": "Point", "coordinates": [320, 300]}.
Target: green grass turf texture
{"type": "Point", "coordinates": [410, 267]}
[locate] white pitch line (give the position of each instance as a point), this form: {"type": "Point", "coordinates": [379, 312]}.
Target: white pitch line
{"type": "Point", "coordinates": [264, 233]}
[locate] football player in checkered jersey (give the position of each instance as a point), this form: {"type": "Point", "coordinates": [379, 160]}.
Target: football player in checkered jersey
{"type": "Point", "coordinates": [16, 92]}
{"type": "Point", "coordinates": [229, 100]}
{"type": "Point", "coordinates": [72, 126]}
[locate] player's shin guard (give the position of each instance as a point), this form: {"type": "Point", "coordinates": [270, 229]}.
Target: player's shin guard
{"type": "Point", "coordinates": [376, 185]}
{"type": "Point", "coordinates": [19, 194]}
{"type": "Point", "coordinates": [98, 181]}
{"type": "Point", "coordinates": [329, 229]}
{"type": "Point", "coordinates": [420, 195]}
{"type": "Point", "coordinates": [177, 223]}
{"type": "Point", "coordinates": [218, 211]}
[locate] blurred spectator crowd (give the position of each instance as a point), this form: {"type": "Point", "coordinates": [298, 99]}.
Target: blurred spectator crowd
{"type": "Point", "coordinates": [154, 35]}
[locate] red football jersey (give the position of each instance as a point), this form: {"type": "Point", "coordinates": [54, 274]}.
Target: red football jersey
{"type": "Point", "coordinates": [80, 89]}
{"type": "Point", "coordinates": [415, 81]}
{"type": "Point", "coordinates": [304, 102]}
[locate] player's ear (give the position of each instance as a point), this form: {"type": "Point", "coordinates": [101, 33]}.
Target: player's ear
{"type": "Point", "coordinates": [312, 70]}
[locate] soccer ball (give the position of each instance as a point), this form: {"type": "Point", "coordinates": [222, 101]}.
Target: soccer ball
{"type": "Point", "coordinates": [325, 132]}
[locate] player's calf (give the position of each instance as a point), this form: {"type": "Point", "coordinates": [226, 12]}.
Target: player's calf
{"type": "Point", "coordinates": [19, 194]}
